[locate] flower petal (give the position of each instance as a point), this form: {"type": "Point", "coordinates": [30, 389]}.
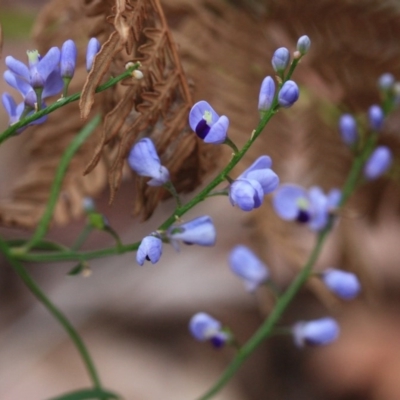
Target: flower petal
{"type": "Point", "coordinates": [344, 284]}
{"type": "Point", "coordinates": [48, 63]}
{"type": "Point", "coordinates": [267, 178]}
{"type": "Point", "coordinates": [262, 162]}
{"type": "Point", "coordinates": [53, 85]}
{"type": "Point", "coordinates": [286, 199]}
{"type": "Point", "coordinates": [248, 266]}
{"type": "Point", "coordinates": [199, 231]}
{"type": "Point", "coordinates": [319, 332]}
{"type": "Point", "coordinates": [197, 112]}
{"type": "Point", "coordinates": [246, 194]}
{"type": "Point", "coordinates": [150, 249]}
{"type": "Point", "coordinates": [17, 82]}
{"type": "Point", "coordinates": [202, 326]}
{"type": "Point", "coordinates": [218, 131]}
{"type": "Point", "coordinates": [18, 67]}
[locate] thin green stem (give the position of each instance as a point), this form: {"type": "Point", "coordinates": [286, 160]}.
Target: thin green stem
{"type": "Point", "coordinates": [44, 222]}
{"type": "Point", "coordinates": [82, 237]}
{"type": "Point", "coordinates": [171, 188]}
{"type": "Point", "coordinates": [286, 298]}
{"type": "Point", "coordinates": [57, 314]}
{"type": "Point", "coordinates": [12, 129]}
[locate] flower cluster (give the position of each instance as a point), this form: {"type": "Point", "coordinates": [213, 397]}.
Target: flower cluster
{"type": "Point", "coordinates": [43, 77]}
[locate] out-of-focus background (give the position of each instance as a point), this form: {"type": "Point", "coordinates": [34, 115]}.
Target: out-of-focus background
{"type": "Point", "coordinates": [134, 319]}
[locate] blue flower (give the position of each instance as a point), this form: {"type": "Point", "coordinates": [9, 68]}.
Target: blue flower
{"type": "Point", "coordinates": [280, 59]}
{"type": "Point", "coordinates": [318, 332]}
{"type": "Point", "coordinates": [249, 267]}
{"type": "Point", "coordinates": [267, 93]}
{"type": "Point", "coordinates": [386, 81]}
{"type": "Point", "coordinates": [348, 129]}
{"type": "Point", "coordinates": [144, 160]}
{"type": "Point", "coordinates": [249, 189]}
{"type": "Point", "coordinates": [92, 49]}
{"type": "Point", "coordinates": [376, 117]}
{"type": "Point", "coordinates": [288, 94]}
{"type": "Point", "coordinates": [68, 59]}
{"type": "Point", "coordinates": [207, 124]}
{"type": "Point", "coordinates": [203, 327]}
{"type": "Point", "coordinates": [15, 111]}
{"type": "Point", "coordinates": [199, 231]}
{"type": "Point", "coordinates": [378, 163]}
{"type": "Point", "coordinates": [303, 45]}
{"type": "Point", "coordinates": [150, 249]}
{"type": "Point", "coordinates": [43, 75]}
{"type": "Point", "coordinates": [344, 284]}
{"type": "Point", "coordinates": [312, 207]}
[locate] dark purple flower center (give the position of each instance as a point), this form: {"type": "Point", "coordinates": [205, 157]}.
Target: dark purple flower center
{"type": "Point", "coordinates": [148, 258]}
{"type": "Point", "coordinates": [217, 341]}
{"type": "Point", "coordinates": [202, 129]}
{"type": "Point", "coordinates": [188, 243]}
{"type": "Point", "coordinates": [303, 217]}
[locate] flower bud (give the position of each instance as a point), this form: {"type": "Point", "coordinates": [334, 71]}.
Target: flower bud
{"type": "Point", "coordinates": [318, 332]}
{"type": "Point", "coordinates": [386, 81]}
{"type": "Point", "coordinates": [249, 267]}
{"type": "Point", "coordinates": [378, 163]}
{"type": "Point", "coordinates": [68, 59]}
{"type": "Point", "coordinates": [303, 44]}
{"type": "Point", "coordinates": [348, 129]}
{"type": "Point", "coordinates": [344, 284]}
{"type": "Point", "coordinates": [376, 117]}
{"type": "Point", "coordinates": [267, 93]}
{"type": "Point", "coordinates": [150, 249]}
{"type": "Point", "coordinates": [280, 59]}
{"type": "Point", "coordinates": [203, 327]}
{"type": "Point", "coordinates": [92, 49]}
{"type": "Point", "coordinates": [288, 94]}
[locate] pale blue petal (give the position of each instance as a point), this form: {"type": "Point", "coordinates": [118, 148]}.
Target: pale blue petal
{"type": "Point", "coordinates": [53, 85]}
{"type": "Point", "coordinates": [246, 194]}
{"type": "Point", "coordinates": [286, 201]}
{"type": "Point", "coordinates": [199, 231]}
{"type": "Point", "coordinates": [248, 266]}
{"type": "Point", "coordinates": [218, 131]}
{"type": "Point", "coordinates": [17, 83]}
{"type": "Point", "coordinates": [267, 178]}
{"type": "Point", "coordinates": [197, 113]}
{"type": "Point", "coordinates": [150, 247]}
{"type": "Point", "coordinates": [319, 332]}
{"type": "Point", "coordinates": [262, 162]}
{"type": "Point", "coordinates": [203, 327]}
{"type": "Point", "coordinates": [344, 284]}
{"type": "Point", "coordinates": [18, 67]}
{"type": "Point", "coordinates": [48, 63]}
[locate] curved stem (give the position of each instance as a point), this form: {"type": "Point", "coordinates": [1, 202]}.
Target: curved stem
{"type": "Point", "coordinates": [12, 129]}
{"type": "Point", "coordinates": [55, 312]}
{"type": "Point", "coordinates": [44, 222]}
{"type": "Point", "coordinates": [286, 298]}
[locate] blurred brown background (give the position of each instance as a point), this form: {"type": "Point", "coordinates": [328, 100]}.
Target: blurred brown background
{"type": "Point", "coordinates": [134, 320]}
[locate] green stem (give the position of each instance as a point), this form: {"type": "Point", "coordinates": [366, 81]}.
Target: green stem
{"type": "Point", "coordinates": [171, 188]}
{"type": "Point", "coordinates": [12, 129]}
{"type": "Point", "coordinates": [267, 327]}
{"type": "Point", "coordinates": [82, 237]}
{"type": "Point", "coordinates": [57, 314]}
{"type": "Point", "coordinates": [44, 222]}
{"type": "Point", "coordinates": [286, 298]}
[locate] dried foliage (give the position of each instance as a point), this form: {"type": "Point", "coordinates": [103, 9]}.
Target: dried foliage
{"type": "Point", "coordinates": [156, 107]}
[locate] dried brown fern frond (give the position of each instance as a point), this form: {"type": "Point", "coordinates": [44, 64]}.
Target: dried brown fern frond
{"type": "Point", "coordinates": [157, 107]}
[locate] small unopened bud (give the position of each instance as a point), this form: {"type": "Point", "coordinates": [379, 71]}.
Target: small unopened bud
{"type": "Point", "coordinates": [303, 44]}
{"type": "Point", "coordinates": [386, 81]}
{"type": "Point", "coordinates": [280, 59]}
{"type": "Point", "coordinates": [137, 74]}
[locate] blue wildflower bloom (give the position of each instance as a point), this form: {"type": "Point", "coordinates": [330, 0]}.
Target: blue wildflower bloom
{"type": "Point", "coordinates": [207, 124]}
{"type": "Point", "coordinates": [312, 207]}
{"type": "Point", "coordinates": [386, 81]}
{"type": "Point", "coordinates": [303, 45]}
{"type": "Point", "coordinates": [144, 160]}
{"type": "Point", "coordinates": [344, 284]}
{"type": "Point", "coordinates": [42, 76]}
{"type": "Point", "coordinates": [267, 93]}
{"type": "Point", "coordinates": [199, 231]}
{"type": "Point", "coordinates": [378, 163]}
{"type": "Point", "coordinates": [280, 59]}
{"type": "Point", "coordinates": [249, 189]}
{"type": "Point", "coordinates": [315, 333]}
{"type": "Point", "coordinates": [203, 327]}
{"type": "Point", "coordinates": [150, 249]}
{"type": "Point", "coordinates": [288, 94]}
{"type": "Point", "coordinates": [68, 59]}
{"type": "Point", "coordinates": [93, 48]}
{"type": "Point", "coordinates": [348, 129]}
{"type": "Point", "coordinates": [249, 267]}
{"type": "Point", "coordinates": [376, 117]}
